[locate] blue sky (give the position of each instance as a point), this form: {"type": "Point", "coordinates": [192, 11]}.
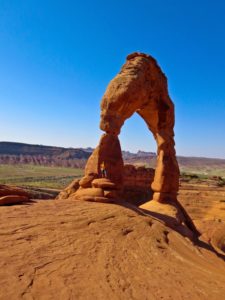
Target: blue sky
{"type": "Point", "coordinates": [57, 57]}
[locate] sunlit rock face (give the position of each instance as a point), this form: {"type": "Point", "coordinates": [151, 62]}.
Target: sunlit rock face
{"type": "Point", "coordinates": [139, 87]}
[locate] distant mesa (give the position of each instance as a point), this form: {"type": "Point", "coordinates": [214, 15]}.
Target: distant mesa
{"type": "Point", "coordinates": [19, 153]}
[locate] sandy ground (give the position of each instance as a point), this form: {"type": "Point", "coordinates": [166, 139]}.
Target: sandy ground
{"type": "Point", "coordinates": [81, 250]}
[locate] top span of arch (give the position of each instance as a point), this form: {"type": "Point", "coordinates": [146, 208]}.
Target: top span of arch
{"type": "Point", "coordinates": [140, 87]}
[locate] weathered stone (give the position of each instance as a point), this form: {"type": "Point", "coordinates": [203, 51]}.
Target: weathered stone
{"type": "Point", "coordinates": [88, 192]}
{"type": "Point", "coordinates": [139, 87]}
{"type": "Point", "coordinates": [13, 199]}
{"type": "Point", "coordinates": [68, 191]}
{"type": "Point", "coordinates": [137, 184]}
{"type": "Point", "coordinates": [111, 194]}
{"type": "Point", "coordinates": [104, 183]}
{"type": "Point", "coordinates": [102, 199]}
{"type": "Point", "coordinates": [174, 216]}
{"type": "Point", "coordinates": [13, 195]}
{"type": "Point", "coordinates": [138, 177]}
{"type": "Point", "coordinates": [109, 152]}
{"type": "Point", "coordinates": [86, 181]}
{"type": "Point", "coordinates": [12, 190]}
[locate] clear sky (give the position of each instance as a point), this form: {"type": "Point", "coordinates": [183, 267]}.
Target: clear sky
{"type": "Point", "coordinates": [57, 57]}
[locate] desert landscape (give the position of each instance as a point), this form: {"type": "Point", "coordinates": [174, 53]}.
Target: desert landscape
{"type": "Point", "coordinates": [112, 150]}
{"type": "Point", "coordinates": [113, 229]}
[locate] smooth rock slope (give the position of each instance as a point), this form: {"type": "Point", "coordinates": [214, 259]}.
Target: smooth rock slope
{"type": "Point", "coordinates": [82, 250]}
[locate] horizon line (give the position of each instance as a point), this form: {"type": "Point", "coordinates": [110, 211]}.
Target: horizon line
{"type": "Point", "coordinates": [88, 147]}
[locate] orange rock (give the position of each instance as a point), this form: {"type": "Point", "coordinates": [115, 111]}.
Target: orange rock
{"type": "Point", "coordinates": [13, 199]}
{"type": "Point", "coordinates": [12, 190]}
{"type": "Point", "coordinates": [72, 188]}
{"type": "Point", "coordinates": [104, 183]}
{"type": "Point", "coordinates": [86, 181]}
{"type": "Point", "coordinates": [88, 192]}
{"type": "Point", "coordinates": [109, 152]}
{"type": "Point", "coordinates": [173, 215]}
{"type": "Point", "coordinates": [110, 194]}
{"type": "Point", "coordinates": [140, 87]}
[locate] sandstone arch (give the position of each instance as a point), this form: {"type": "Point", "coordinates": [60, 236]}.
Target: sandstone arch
{"type": "Point", "coordinates": [139, 87]}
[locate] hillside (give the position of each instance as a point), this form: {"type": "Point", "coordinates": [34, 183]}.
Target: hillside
{"type": "Point", "coordinates": [20, 153]}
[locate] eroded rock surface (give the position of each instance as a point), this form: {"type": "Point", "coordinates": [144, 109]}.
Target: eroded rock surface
{"type": "Point", "coordinates": [59, 250]}
{"type": "Point", "coordinates": [12, 195]}
{"type": "Point", "coordinates": [139, 87]}
{"type": "Point", "coordinates": [137, 184]}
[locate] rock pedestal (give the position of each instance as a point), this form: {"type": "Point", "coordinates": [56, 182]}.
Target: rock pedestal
{"type": "Point", "coordinates": [96, 186]}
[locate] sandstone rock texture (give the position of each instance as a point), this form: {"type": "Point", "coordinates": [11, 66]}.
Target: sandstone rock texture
{"type": "Point", "coordinates": [139, 87]}
{"type": "Point", "coordinates": [58, 250]}
{"type": "Point", "coordinates": [137, 184]}
{"type": "Point", "coordinates": [12, 195]}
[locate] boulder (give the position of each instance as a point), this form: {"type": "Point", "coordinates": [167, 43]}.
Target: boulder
{"type": "Point", "coordinates": [13, 199]}
{"type": "Point", "coordinates": [90, 193]}
{"type": "Point", "coordinates": [104, 183]}
{"type": "Point", "coordinates": [68, 191]}
{"type": "Point", "coordinates": [12, 190]}
{"type": "Point", "coordinates": [86, 181]}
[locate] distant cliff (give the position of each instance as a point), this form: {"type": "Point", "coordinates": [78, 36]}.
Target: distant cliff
{"type": "Point", "coordinates": [19, 153]}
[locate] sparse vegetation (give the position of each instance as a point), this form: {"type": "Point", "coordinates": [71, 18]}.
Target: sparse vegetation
{"type": "Point", "coordinates": [38, 176]}
{"type": "Point", "coordinates": [221, 182]}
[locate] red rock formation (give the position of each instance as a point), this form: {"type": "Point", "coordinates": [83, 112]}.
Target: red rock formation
{"type": "Point", "coordinates": [109, 152]}
{"type": "Point", "coordinates": [12, 190]}
{"type": "Point", "coordinates": [139, 87]}
{"type": "Point", "coordinates": [72, 188]}
{"type": "Point", "coordinates": [13, 199]}
{"type": "Point", "coordinates": [12, 195]}
{"type": "Point", "coordinates": [92, 186]}
{"type": "Point", "coordinates": [137, 184]}
{"type": "Point", "coordinates": [138, 176]}
{"type": "Point", "coordinates": [58, 250]}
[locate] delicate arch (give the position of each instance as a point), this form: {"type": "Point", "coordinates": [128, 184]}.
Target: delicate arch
{"type": "Point", "coordinates": [139, 87]}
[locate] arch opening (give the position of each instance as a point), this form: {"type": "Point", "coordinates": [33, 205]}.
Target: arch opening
{"type": "Point", "coordinates": [139, 161]}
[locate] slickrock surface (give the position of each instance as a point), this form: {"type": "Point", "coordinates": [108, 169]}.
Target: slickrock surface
{"type": "Point", "coordinates": [205, 204]}
{"type": "Point", "coordinates": [82, 250]}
